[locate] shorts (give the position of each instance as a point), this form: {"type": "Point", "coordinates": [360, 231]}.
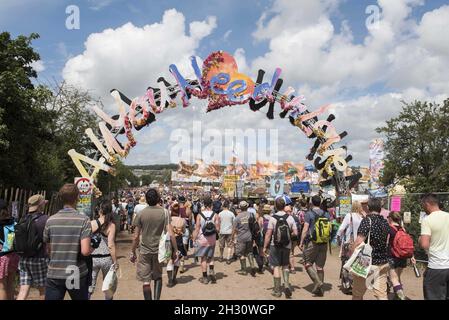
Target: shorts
{"type": "Point", "coordinates": [397, 263]}
{"type": "Point", "coordinates": [279, 256]}
{"type": "Point", "coordinates": [8, 264]}
{"type": "Point", "coordinates": [436, 284]}
{"type": "Point", "coordinates": [243, 248]}
{"type": "Point", "coordinates": [225, 240]}
{"type": "Point", "coordinates": [315, 253]}
{"type": "Point", "coordinates": [379, 286]}
{"type": "Point", "coordinates": [206, 251]}
{"type": "Point", "coordinates": [180, 244]}
{"type": "Point", "coordinates": [148, 267]}
{"type": "Point", "coordinates": [33, 271]}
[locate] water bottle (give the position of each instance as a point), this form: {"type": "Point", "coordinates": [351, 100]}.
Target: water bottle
{"type": "Point", "coordinates": [417, 273]}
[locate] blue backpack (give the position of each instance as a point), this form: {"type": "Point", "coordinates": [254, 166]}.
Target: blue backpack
{"type": "Point", "coordinates": [8, 238]}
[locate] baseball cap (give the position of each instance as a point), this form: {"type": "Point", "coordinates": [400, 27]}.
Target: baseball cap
{"type": "Point", "coordinates": [286, 198]}
{"type": "Point", "coordinates": [243, 204]}
{"type": "Point", "coordinates": [35, 201]}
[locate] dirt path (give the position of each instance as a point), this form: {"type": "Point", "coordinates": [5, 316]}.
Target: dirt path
{"type": "Point", "coordinates": [231, 286]}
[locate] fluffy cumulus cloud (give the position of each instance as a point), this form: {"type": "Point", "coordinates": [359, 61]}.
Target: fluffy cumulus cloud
{"type": "Point", "coordinates": [400, 58]}
{"type": "Point", "coordinates": [130, 58]}
{"type": "Point", "coordinates": [405, 57]}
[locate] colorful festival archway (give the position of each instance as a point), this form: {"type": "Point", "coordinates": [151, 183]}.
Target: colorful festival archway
{"type": "Point", "coordinates": [222, 85]}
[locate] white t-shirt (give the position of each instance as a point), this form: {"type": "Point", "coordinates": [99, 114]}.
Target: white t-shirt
{"type": "Point", "coordinates": [139, 208]}
{"type": "Point", "coordinates": [226, 221]}
{"type": "Point", "coordinates": [436, 225]}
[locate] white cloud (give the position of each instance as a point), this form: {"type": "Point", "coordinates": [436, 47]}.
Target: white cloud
{"type": "Point", "coordinates": [226, 35]}
{"type": "Point", "coordinates": [131, 58]}
{"type": "Point", "coordinates": [38, 65]}
{"type": "Point", "coordinates": [406, 58]}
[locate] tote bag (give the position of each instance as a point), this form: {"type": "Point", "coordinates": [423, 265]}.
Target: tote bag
{"type": "Point", "coordinates": [361, 260]}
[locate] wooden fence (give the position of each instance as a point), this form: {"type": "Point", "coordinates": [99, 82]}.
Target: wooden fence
{"type": "Point", "coordinates": [17, 200]}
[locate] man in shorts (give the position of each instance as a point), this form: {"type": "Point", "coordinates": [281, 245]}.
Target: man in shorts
{"type": "Point", "coordinates": [244, 243]}
{"type": "Point", "coordinates": [315, 254]}
{"type": "Point", "coordinates": [151, 222]}
{"type": "Point", "coordinates": [33, 268]}
{"type": "Point", "coordinates": [225, 239]}
{"type": "Point", "coordinates": [279, 255]}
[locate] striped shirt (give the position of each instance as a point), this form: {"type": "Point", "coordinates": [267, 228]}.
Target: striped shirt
{"type": "Point", "coordinates": [64, 232]}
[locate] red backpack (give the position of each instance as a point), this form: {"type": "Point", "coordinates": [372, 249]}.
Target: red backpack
{"type": "Point", "coordinates": [402, 247]}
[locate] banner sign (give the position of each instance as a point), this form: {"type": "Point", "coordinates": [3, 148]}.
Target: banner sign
{"type": "Point", "coordinates": [344, 206]}
{"type": "Point", "coordinates": [302, 186]}
{"type": "Point", "coordinates": [277, 184]}
{"type": "Point", "coordinates": [230, 184]}
{"type": "Point", "coordinates": [85, 187]}
{"type": "Point", "coordinates": [240, 184]}
{"type": "Point", "coordinates": [219, 81]}
{"type": "Point", "coordinates": [395, 203]}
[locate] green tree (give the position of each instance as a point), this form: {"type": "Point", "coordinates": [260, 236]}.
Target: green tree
{"type": "Point", "coordinates": [417, 147]}
{"type": "Point", "coordinates": [124, 177]}
{"type": "Point", "coordinates": [25, 123]}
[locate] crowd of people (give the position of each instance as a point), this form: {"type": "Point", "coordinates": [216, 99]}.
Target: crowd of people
{"type": "Point", "coordinates": [66, 252]}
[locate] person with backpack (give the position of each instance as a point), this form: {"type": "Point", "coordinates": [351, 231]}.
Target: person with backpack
{"type": "Point", "coordinates": [400, 248]}
{"type": "Point", "coordinates": [280, 228]}
{"type": "Point", "coordinates": [314, 239]}
{"type": "Point", "coordinates": [295, 239]}
{"type": "Point", "coordinates": [68, 237]}
{"type": "Point", "coordinates": [28, 242]}
{"type": "Point", "coordinates": [374, 231]}
{"type": "Point", "coordinates": [9, 260]}
{"type": "Point", "coordinates": [205, 237]}
{"type": "Point", "coordinates": [129, 213]}
{"type": "Point", "coordinates": [225, 239]}
{"type": "Point", "coordinates": [104, 257]}
{"type": "Point", "coordinates": [242, 229]}
{"type": "Point", "coordinates": [117, 211]}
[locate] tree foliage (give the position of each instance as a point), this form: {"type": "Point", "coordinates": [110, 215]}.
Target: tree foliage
{"type": "Point", "coordinates": [417, 147]}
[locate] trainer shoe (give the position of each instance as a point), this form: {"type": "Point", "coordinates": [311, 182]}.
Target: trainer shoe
{"type": "Point", "coordinates": [203, 280]}
{"type": "Point", "coordinates": [213, 279]}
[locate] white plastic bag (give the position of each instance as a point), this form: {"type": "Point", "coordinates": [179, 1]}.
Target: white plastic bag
{"type": "Point", "coordinates": [110, 283]}
{"type": "Point", "coordinates": [164, 252]}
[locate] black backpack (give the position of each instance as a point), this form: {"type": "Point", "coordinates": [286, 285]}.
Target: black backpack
{"type": "Point", "coordinates": [209, 226]}
{"type": "Point", "coordinates": [282, 236]}
{"type": "Point", "coordinates": [28, 241]}
{"type": "Point", "coordinates": [254, 226]}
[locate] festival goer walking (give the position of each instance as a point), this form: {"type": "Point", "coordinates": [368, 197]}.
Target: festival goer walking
{"type": "Point", "coordinates": [117, 212]}
{"type": "Point", "coordinates": [205, 237]}
{"type": "Point", "coordinates": [104, 256]}
{"type": "Point", "coordinates": [258, 252]}
{"type": "Point", "coordinates": [397, 264]}
{"type": "Point", "coordinates": [226, 218]}
{"type": "Point", "coordinates": [314, 239]}
{"type": "Point", "coordinates": [374, 228]}
{"type": "Point", "coordinates": [140, 206]}
{"type": "Point", "coordinates": [150, 224]}
{"type": "Point", "coordinates": [435, 240]}
{"type": "Point", "coordinates": [280, 228]}
{"type": "Point", "coordinates": [33, 265]}
{"type": "Point", "coordinates": [186, 213]}
{"type": "Point", "coordinates": [68, 237]}
{"type": "Point", "coordinates": [129, 213]}
{"type": "Point", "coordinates": [295, 239]}
{"type": "Point", "coordinates": [244, 239]}
{"type": "Point", "coordinates": [346, 235]}
{"type": "Point", "coordinates": [8, 260]}
{"type": "Point", "coordinates": [178, 225]}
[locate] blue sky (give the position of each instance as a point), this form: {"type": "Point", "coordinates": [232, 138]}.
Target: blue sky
{"type": "Point", "coordinates": [47, 18]}
{"type": "Point", "coordinates": [385, 65]}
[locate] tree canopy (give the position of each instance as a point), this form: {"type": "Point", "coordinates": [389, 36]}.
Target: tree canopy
{"type": "Point", "coordinates": [417, 147]}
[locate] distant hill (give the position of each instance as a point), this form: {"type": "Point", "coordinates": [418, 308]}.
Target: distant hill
{"type": "Point", "coordinates": [170, 166]}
